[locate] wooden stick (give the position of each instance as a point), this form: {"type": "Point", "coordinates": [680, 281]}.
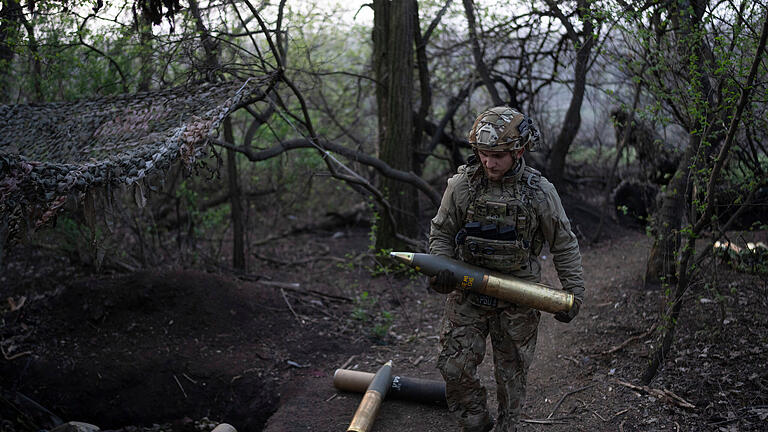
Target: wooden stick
{"type": "Point", "coordinates": [15, 356]}
{"type": "Point", "coordinates": [628, 341]}
{"type": "Point", "coordinates": [291, 307]}
{"type": "Point", "coordinates": [619, 413]}
{"type": "Point", "coordinates": [558, 420]}
{"type": "Point", "coordinates": [281, 285]}
{"type": "Point", "coordinates": [296, 287]}
{"type": "Point", "coordinates": [349, 360]}
{"type": "Point", "coordinates": [180, 387]}
{"type": "Point", "coordinates": [660, 394]}
{"type": "Point", "coordinates": [562, 399]}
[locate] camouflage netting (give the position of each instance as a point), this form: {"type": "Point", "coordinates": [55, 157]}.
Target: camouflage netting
{"type": "Point", "coordinates": [55, 152]}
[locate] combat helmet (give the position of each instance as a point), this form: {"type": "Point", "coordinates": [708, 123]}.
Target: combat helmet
{"type": "Point", "coordinates": [503, 128]}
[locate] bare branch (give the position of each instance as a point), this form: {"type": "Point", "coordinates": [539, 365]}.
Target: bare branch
{"type": "Point", "coordinates": [101, 53]}
{"type": "Point", "coordinates": [380, 166]}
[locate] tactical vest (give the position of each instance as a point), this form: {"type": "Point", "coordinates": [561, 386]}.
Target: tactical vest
{"type": "Point", "coordinates": [501, 226]}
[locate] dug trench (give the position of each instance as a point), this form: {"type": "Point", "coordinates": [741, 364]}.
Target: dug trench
{"type": "Point", "coordinates": [167, 349]}
{"type": "Point", "coordinates": [158, 348]}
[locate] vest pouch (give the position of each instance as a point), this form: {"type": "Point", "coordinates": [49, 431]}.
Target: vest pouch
{"type": "Point", "coordinates": [500, 255]}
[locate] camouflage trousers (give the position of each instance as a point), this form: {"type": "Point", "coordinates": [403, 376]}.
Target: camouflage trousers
{"type": "Point", "coordinates": [466, 326]}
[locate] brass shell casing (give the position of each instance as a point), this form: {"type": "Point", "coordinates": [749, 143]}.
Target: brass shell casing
{"type": "Point", "coordinates": [501, 286]}
{"type": "Point", "coordinates": [374, 395]}
{"type": "Point", "coordinates": [531, 294]}
{"type": "Point", "coordinates": [366, 412]}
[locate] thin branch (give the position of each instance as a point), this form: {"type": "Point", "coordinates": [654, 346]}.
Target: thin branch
{"type": "Point", "coordinates": [477, 53]}
{"type": "Point", "coordinates": [433, 24]}
{"type": "Point", "coordinates": [101, 53]}
{"type": "Point", "coordinates": [629, 341]}
{"type": "Point", "coordinates": [735, 120]}
{"type": "Point", "coordinates": [378, 164]}
{"type": "Point", "coordinates": [562, 399]}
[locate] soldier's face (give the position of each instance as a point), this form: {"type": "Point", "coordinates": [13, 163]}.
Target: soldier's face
{"type": "Point", "coordinates": [497, 163]}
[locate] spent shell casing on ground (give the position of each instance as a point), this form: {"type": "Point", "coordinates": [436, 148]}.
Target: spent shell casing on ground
{"type": "Point", "coordinates": [374, 395]}
{"type": "Point", "coordinates": [413, 389]}
{"type": "Point", "coordinates": [501, 286]}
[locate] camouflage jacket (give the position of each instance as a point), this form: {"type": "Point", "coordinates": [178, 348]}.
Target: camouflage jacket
{"type": "Point", "coordinates": [552, 226]}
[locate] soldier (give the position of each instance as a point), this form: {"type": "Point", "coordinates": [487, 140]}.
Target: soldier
{"type": "Point", "coordinates": [497, 213]}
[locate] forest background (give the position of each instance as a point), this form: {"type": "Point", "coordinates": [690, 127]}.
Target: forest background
{"type": "Point", "coordinates": [653, 116]}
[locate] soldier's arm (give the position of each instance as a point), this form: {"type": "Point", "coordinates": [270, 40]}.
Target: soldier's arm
{"type": "Point", "coordinates": [446, 223]}
{"type": "Point", "coordinates": [562, 241]}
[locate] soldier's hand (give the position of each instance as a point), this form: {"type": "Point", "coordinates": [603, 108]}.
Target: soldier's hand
{"type": "Point", "coordinates": [442, 282]}
{"type": "Point", "coordinates": [566, 317]}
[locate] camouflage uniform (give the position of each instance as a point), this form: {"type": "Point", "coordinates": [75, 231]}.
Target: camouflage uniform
{"type": "Point", "coordinates": [525, 200]}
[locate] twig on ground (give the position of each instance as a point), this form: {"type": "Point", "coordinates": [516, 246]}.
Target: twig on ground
{"type": "Point", "coordinates": [188, 378]}
{"type": "Point", "coordinates": [180, 387]}
{"type": "Point", "coordinates": [575, 361]}
{"type": "Point", "coordinates": [281, 285]}
{"type": "Point", "coordinates": [667, 395]}
{"type": "Point", "coordinates": [14, 356]}
{"type": "Point", "coordinates": [624, 411]}
{"type": "Point", "coordinates": [285, 297]}
{"type": "Point", "coordinates": [621, 426]}
{"type": "Point", "coordinates": [297, 262]}
{"type": "Point", "coordinates": [629, 341]}
{"type": "Point", "coordinates": [598, 415]}
{"type": "Point", "coordinates": [557, 420]}
{"type": "Point", "coordinates": [349, 360]}
{"type": "Point", "coordinates": [562, 399]}
{"type": "Point", "coordinates": [296, 287]}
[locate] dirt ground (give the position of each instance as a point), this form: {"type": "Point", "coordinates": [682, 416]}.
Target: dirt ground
{"type": "Point", "coordinates": [184, 349]}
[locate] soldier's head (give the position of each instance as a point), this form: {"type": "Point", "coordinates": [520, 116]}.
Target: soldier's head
{"type": "Point", "coordinates": [499, 137]}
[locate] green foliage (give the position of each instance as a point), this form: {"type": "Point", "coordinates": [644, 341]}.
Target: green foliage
{"type": "Point", "coordinates": [367, 311]}
{"type": "Point", "coordinates": [749, 260]}
{"type": "Point", "coordinates": [375, 220]}
{"type": "Point", "coordinates": [592, 155]}
{"type": "Point", "coordinates": [70, 232]}
{"type": "Point", "coordinates": [84, 244]}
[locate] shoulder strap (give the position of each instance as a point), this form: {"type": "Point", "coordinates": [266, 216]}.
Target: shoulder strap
{"type": "Point", "coordinates": [531, 176]}
{"type": "Point", "coordinates": [474, 176]}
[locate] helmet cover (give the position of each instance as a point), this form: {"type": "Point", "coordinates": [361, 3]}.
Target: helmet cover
{"type": "Point", "coordinates": [503, 129]}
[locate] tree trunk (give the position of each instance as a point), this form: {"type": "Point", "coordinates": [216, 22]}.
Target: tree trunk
{"type": "Point", "coordinates": [477, 53]}
{"type": "Point", "coordinates": [212, 68]}
{"type": "Point", "coordinates": [380, 36]}
{"type": "Point", "coordinates": [11, 16]}
{"type": "Point", "coordinates": [658, 357]}
{"type": "Point", "coordinates": [146, 66]}
{"type": "Point", "coordinates": [235, 202]}
{"type": "Point", "coordinates": [37, 69]}
{"type": "Point", "coordinates": [397, 145]}
{"type": "Point", "coordinates": [425, 88]}
{"type": "Point", "coordinates": [572, 120]}
{"type": "Point", "coordinates": [662, 260]}
{"type": "Point", "coordinates": [686, 269]}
